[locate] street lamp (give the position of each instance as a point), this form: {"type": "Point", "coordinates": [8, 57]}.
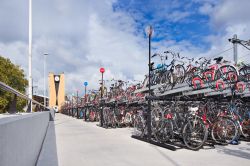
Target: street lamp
{"type": "Point", "coordinates": [44, 81]}
{"type": "Point", "coordinates": [30, 54]}
{"type": "Point", "coordinates": [102, 70]}
{"type": "Point", "coordinates": [149, 32]}
{"type": "Point", "coordinates": [85, 98]}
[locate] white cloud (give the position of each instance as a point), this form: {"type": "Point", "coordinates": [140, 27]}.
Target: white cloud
{"type": "Point", "coordinates": [226, 19]}
{"type": "Point", "coordinates": [206, 9]}
{"type": "Point", "coordinates": [176, 16]}
{"type": "Point", "coordinates": [230, 13]}
{"type": "Point", "coordinates": [80, 37]}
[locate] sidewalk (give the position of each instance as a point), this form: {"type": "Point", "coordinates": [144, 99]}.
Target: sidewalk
{"type": "Point", "coordinates": [71, 142]}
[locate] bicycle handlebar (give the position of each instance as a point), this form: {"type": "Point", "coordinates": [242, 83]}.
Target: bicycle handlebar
{"type": "Point", "coordinates": [173, 54]}
{"type": "Point", "coordinates": [205, 59]}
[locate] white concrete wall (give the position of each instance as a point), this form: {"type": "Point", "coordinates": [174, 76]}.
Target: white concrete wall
{"type": "Point", "coordinates": [21, 138]}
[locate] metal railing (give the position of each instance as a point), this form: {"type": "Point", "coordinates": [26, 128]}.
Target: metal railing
{"type": "Point", "coordinates": [12, 108]}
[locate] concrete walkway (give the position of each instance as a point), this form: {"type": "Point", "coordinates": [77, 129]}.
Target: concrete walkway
{"type": "Point", "coordinates": [71, 142]}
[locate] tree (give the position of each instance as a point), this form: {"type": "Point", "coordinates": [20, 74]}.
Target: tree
{"type": "Point", "coordinates": [13, 76]}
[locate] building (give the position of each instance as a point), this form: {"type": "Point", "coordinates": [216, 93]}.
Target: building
{"type": "Point", "coordinates": [56, 90]}
{"type": "Point", "coordinates": [40, 99]}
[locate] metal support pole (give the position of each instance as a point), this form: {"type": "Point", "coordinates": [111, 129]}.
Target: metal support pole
{"type": "Point", "coordinates": [149, 84]}
{"type": "Point", "coordinates": [12, 107]}
{"type": "Point", "coordinates": [235, 49]}
{"type": "Point", "coordinates": [85, 101]}
{"type": "Point", "coordinates": [44, 81]}
{"type": "Point", "coordinates": [30, 53]}
{"type": "Point", "coordinates": [68, 105]}
{"type": "Point", "coordinates": [72, 107]}
{"type": "Point", "coordinates": [85, 96]}
{"type": "Point", "coordinates": [77, 113]}
{"type": "Point", "coordinates": [102, 103]}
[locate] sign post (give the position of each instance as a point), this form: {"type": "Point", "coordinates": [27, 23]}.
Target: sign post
{"type": "Point", "coordinates": [102, 70]}
{"type": "Point", "coordinates": [77, 113]}
{"type": "Point", "coordinates": [85, 100]}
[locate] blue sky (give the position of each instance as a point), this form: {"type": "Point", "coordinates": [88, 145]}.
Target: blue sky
{"type": "Point", "coordinates": [81, 36]}
{"type": "Point", "coordinates": [172, 20]}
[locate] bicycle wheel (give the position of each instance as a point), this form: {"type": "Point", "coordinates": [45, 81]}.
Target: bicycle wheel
{"type": "Point", "coordinates": [245, 128]}
{"type": "Point", "coordinates": [87, 113]}
{"type": "Point", "coordinates": [171, 80]}
{"type": "Point", "coordinates": [179, 73]}
{"type": "Point", "coordinates": [244, 74]}
{"type": "Point", "coordinates": [91, 116]}
{"type": "Point", "coordinates": [197, 83]}
{"type": "Point", "coordinates": [194, 133]}
{"type": "Point", "coordinates": [165, 131]}
{"type": "Point", "coordinates": [156, 117]}
{"type": "Point", "coordinates": [153, 78]}
{"type": "Point", "coordinates": [157, 78]}
{"type": "Point", "coordinates": [97, 115]}
{"type": "Point", "coordinates": [106, 116]}
{"type": "Point", "coordinates": [188, 78]}
{"type": "Point", "coordinates": [164, 77]}
{"type": "Point", "coordinates": [114, 122]}
{"type": "Point", "coordinates": [128, 119]}
{"type": "Point", "coordinates": [224, 131]}
{"type": "Point", "coordinates": [139, 127]}
{"type": "Point", "coordinates": [227, 73]}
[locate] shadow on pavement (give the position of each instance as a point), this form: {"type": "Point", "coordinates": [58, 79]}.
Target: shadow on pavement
{"type": "Point", "coordinates": [166, 156]}
{"type": "Point", "coordinates": [234, 152]}
{"type": "Point", "coordinates": [48, 155]}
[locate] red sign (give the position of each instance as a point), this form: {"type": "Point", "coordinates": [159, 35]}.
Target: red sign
{"type": "Point", "coordinates": [102, 70]}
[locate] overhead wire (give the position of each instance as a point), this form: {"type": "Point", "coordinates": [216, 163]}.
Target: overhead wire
{"type": "Point", "coordinates": [244, 56]}
{"type": "Point", "coordinates": [222, 52]}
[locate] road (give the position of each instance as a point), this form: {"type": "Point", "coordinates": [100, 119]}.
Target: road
{"type": "Point", "coordinates": [72, 142]}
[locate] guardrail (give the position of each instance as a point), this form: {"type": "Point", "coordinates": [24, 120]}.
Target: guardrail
{"type": "Point", "coordinates": [13, 108]}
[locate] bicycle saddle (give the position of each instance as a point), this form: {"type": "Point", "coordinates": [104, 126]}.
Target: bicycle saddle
{"type": "Point", "coordinates": [218, 59]}
{"type": "Point", "coordinates": [225, 61]}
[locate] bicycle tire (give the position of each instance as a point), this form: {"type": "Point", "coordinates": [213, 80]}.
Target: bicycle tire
{"type": "Point", "coordinates": [244, 74]}
{"type": "Point", "coordinates": [245, 128]}
{"type": "Point", "coordinates": [219, 134]}
{"type": "Point", "coordinates": [189, 133]}
{"type": "Point", "coordinates": [180, 78]}
{"type": "Point", "coordinates": [218, 74]}
{"type": "Point", "coordinates": [165, 132]}
{"type": "Point", "coordinates": [139, 127]}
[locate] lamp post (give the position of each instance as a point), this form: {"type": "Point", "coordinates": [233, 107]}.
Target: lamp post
{"type": "Point", "coordinates": [149, 32]}
{"type": "Point", "coordinates": [102, 70]}
{"type": "Point", "coordinates": [44, 81]}
{"type": "Point", "coordinates": [30, 54]}
{"type": "Point", "coordinates": [85, 100]}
